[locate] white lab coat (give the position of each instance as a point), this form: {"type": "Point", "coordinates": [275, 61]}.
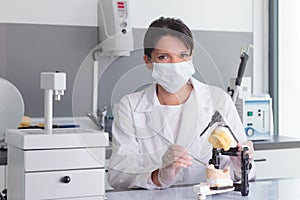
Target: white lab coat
{"type": "Point", "coordinates": [140, 136]}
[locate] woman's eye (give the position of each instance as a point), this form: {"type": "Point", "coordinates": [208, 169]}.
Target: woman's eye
{"type": "Point", "coordinates": [184, 55]}
{"type": "Point", "coordinates": [162, 57]}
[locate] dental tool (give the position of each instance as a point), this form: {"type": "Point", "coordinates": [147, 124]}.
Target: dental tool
{"type": "Point", "coordinates": [193, 157]}
{"type": "Point", "coordinates": [217, 117]}
{"type": "Point", "coordinates": [196, 159]}
{"type": "Point", "coordinates": [242, 187]}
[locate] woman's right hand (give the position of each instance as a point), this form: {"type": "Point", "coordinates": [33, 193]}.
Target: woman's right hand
{"type": "Point", "coordinates": [175, 158]}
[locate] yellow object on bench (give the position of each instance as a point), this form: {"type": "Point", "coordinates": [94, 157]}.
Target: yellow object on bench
{"type": "Point", "coordinates": [220, 138]}
{"type": "Point", "coordinates": [26, 121]}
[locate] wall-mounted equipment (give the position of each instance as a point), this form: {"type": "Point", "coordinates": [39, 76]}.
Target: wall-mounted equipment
{"type": "Point", "coordinates": [115, 39]}
{"type": "Point", "coordinates": [115, 32]}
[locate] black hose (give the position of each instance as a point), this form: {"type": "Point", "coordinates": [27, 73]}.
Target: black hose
{"type": "Point", "coordinates": [244, 57]}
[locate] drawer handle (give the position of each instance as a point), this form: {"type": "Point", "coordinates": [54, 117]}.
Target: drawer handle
{"type": "Point", "coordinates": [260, 160]}
{"type": "Point", "coordinates": [65, 179]}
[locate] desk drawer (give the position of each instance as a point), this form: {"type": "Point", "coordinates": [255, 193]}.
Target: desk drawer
{"type": "Point", "coordinates": [64, 184]}
{"type": "Point", "coordinates": [277, 163]}
{"type": "Point", "coordinates": [64, 159]}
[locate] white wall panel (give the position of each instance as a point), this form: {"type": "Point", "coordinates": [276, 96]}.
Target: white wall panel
{"type": "Point", "coordinates": [288, 67]}
{"type": "Point", "coordinates": [57, 12]}
{"type": "Point", "coordinates": [260, 81]}
{"type": "Point", "coordinates": [211, 15]}
{"type": "Point", "coordinates": [229, 15]}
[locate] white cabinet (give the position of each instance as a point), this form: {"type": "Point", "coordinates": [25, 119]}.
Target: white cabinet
{"type": "Point", "coordinates": [277, 163]}
{"type": "Point", "coordinates": [107, 186]}
{"type": "Point", "coordinates": [65, 184]}
{"type": "Point", "coordinates": [66, 164]}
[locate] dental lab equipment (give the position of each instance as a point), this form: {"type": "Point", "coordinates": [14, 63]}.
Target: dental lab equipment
{"type": "Point", "coordinates": [214, 119]}
{"type": "Point", "coordinates": [242, 187]}
{"type": "Point", "coordinates": [193, 157]}
{"type": "Point", "coordinates": [255, 110]}
{"type": "Point", "coordinates": [245, 89]}
{"type": "Point", "coordinates": [61, 163]}
{"type": "Point", "coordinates": [203, 190]}
{"type": "Point", "coordinates": [225, 143]}
{"type": "Point", "coordinates": [217, 150]}
{"type": "Point", "coordinates": [241, 70]}
{"type": "Point", "coordinates": [116, 39]}
{"type": "Point", "coordinates": [256, 115]}
{"type": "Point", "coordinates": [115, 31]}
{"type": "Point", "coordinates": [100, 122]}
{"type": "Point", "coordinates": [54, 84]}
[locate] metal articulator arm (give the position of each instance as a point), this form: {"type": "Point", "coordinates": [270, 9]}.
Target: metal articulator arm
{"type": "Point", "coordinates": [242, 187]}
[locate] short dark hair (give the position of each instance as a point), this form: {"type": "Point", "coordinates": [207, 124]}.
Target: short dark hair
{"type": "Point", "coordinates": [167, 26]}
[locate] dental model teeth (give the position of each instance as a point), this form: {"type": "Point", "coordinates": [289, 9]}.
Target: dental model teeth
{"type": "Point", "coordinates": [218, 179]}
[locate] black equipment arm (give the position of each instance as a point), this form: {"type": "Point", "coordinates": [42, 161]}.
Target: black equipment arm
{"type": "Point", "coordinates": [243, 187]}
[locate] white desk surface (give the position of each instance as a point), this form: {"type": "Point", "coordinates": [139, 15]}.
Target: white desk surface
{"type": "Point", "coordinates": [277, 189]}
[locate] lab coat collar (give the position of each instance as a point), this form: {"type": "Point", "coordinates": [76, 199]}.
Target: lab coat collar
{"type": "Point", "coordinates": [147, 101]}
{"type": "Point", "coordinates": [195, 107]}
{"type": "Point", "coordinates": [150, 105]}
{"type": "Point", "coordinates": [149, 97]}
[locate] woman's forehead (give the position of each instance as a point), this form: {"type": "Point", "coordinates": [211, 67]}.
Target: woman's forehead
{"type": "Point", "coordinates": [170, 44]}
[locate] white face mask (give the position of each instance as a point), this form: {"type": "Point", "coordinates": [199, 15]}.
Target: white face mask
{"type": "Point", "coordinates": [173, 76]}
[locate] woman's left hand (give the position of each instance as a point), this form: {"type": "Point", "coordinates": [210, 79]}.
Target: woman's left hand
{"type": "Point", "coordinates": [236, 160]}
{"type": "Point", "coordinates": [250, 151]}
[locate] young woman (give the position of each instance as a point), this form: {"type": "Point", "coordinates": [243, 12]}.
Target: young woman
{"type": "Point", "coordinates": [156, 131]}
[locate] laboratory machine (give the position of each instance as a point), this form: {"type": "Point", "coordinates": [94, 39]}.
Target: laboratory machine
{"type": "Point", "coordinates": [234, 90]}
{"type": "Point", "coordinates": [115, 31]}
{"type": "Point", "coordinates": [222, 146]}
{"type": "Point", "coordinates": [115, 40]}
{"type": "Point", "coordinates": [62, 163]}
{"type": "Point", "coordinates": [256, 115]}
{"type": "Point", "coordinates": [255, 110]}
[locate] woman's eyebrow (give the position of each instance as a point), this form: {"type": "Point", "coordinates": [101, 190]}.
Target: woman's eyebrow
{"type": "Point", "coordinates": [161, 51]}
{"type": "Point", "coordinates": [186, 51]}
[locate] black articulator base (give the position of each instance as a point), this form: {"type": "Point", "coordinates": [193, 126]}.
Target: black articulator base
{"type": "Point", "coordinates": [221, 188]}
{"type": "Point", "coordinates": [242, 187]}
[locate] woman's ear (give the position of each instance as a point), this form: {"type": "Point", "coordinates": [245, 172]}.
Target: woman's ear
{"type": "Point", "coordinates": [148, 62]}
